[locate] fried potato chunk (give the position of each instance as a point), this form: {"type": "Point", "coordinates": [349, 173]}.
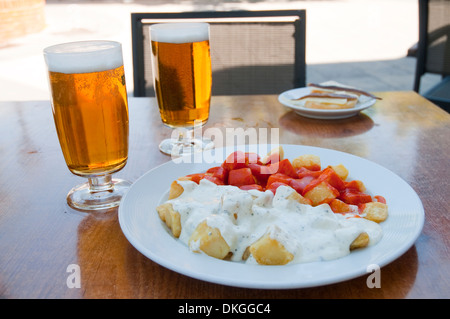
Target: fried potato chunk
{"type": "Point", "coordinates": [340, 170]}
{"type": "Point", "coordinates": [308, 161]}
{"type": "Point", "coordinates": [171, 217]}
{"type": "Point", "coordinates": [176, 189]}
{"type": "Point", "coordinates": [246, 253]}
{"type": "Point", "coordinates": [277, 152]}
{"type": "Point", "coordinates": [375, 211]}
{"type": "Point", "coordinates": [299, 198]}
{"type": "Point", "coordinates": [360, 242]}
{"type": "Point", "coordinates": [269, 251]}
{"type": "Point", "coordinates": [209, 240]}
{"type": "Point", "coordinates": [357, 185]}
{"type": "Point", "coordinates": [322, 193]}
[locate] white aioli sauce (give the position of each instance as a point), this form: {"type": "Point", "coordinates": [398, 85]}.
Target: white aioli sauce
{"type": "Point", "coordinates": [242, 217]}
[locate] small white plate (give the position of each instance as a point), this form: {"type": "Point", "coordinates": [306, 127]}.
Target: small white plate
{"type": "Point", "coordinates": [142, 227]}
{"type": "Point", "coordinates": [286, 98]}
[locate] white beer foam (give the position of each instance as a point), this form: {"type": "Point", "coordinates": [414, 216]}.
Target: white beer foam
{"type": "Point", "coordinates": [179, 32]}
{"type": "Point", "coordinates": [84, 56]}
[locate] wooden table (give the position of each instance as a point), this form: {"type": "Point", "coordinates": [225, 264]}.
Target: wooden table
{"type": "Point", "coordinates": [41, 237]}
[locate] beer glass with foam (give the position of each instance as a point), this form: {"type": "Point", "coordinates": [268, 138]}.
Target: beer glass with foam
{"type": "Point", "coordinates": [182, 80]}
{"type": "Point", "coordinates": [90, 111]}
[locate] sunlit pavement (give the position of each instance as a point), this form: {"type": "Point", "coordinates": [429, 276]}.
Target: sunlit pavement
{"type": "Point", "coordinates": [357, 42]}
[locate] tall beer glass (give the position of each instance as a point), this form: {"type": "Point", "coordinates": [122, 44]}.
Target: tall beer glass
{"type": "Point", "coordinates": [90, 110]}
{"type": "Point", "coordinates": [182, 79]}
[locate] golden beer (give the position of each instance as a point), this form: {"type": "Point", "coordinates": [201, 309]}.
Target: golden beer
{"type": "Point", "coordinates": [182, 73]}
{"type": "Point", "coordinates": [91, 117]}
{"type": "Point", "coordinates": [89, 104]}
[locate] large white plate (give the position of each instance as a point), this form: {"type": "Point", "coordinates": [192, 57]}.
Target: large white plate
{"type": "Point", "coordinates": [142, 227]}
{"type": "Point", "coordinates": [286, 98]}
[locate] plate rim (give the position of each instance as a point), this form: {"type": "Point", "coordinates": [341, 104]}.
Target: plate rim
{"type": "Point", "coordinates": [306, 283]}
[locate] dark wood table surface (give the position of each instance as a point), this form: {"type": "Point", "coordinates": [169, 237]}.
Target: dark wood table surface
{"type": "Point", "coordinates": [41, 237]}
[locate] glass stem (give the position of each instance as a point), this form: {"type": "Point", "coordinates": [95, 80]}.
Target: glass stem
{"type": "Point", "coordinates": [185, 137]}
{"type": "Point", "coordinates": [101, 184]}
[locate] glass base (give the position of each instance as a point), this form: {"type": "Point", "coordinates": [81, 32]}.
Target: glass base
{"type": "Point", "coordinates": [99, 193]}
{"type": "Point", "coordinates": [173, 146]}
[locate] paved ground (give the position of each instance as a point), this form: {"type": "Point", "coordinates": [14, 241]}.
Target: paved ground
{"type": "Point", "coordinates": [357, 42]}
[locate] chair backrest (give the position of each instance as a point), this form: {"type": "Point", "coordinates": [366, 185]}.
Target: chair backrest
{"type": "Point", "coordinates": [252, 52]}
{"type": "Point", "coordinates": [433, 53]}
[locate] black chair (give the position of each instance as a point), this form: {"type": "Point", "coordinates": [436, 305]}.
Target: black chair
{"type": "Point", "coordinates": [433, 49]}
{"type": "Point", "coordinates": [252, 52]}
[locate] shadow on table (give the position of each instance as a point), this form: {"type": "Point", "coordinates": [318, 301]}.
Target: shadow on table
{"type": "Point", "coordinates": [351, 126]}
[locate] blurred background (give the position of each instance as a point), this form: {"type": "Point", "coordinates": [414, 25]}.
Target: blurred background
{"type": "Point", "coordinates": [363, 43]}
